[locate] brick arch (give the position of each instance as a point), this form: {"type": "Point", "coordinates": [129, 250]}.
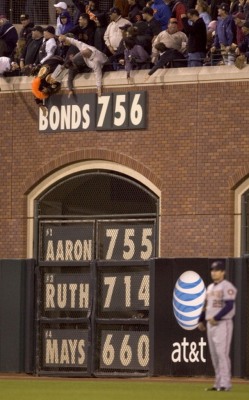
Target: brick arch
{"type": "Point", "coordinates": [239, 176]}
{"type": "Point", "coordinates": [86, 155]}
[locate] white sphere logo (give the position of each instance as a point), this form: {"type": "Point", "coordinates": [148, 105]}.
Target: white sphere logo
{"type": "Point", "coordinates": [188, 299]}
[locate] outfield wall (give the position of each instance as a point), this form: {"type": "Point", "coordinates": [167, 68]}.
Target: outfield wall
{"type": "Point", "coordinates": [108, 318]}
{"type": "Point", "coordinates": [181, 139]}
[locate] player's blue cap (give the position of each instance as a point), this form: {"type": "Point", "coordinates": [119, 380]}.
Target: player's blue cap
{"type": "Point", "coordinates": [218, 265]}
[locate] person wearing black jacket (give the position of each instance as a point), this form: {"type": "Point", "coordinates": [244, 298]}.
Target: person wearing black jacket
{"type": "Point", "coordinates": [30, 55]}
{"type": "Point", "coordinates": [169, 58]}
{"type": "Point", "coordinates": [8, 37]}
{"type": "Point", "coordinates": [84, 31]}
{"type": "Point", "coordinates": [197, 37]}
{"type": "Point", "coordinates": [27, 26]}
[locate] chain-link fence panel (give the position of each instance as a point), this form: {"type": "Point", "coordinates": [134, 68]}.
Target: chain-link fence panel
{"type": "Point", "coordinates": [123, 349]}
{"type": "Point", "coordinates": [98, 193]}
{"type": "Point", "coordinates": [44, 11]}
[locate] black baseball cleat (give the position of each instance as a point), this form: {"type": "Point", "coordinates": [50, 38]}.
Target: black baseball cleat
{"type": "Point", "coordinates": [211, 389]}
{"type": "Point", "coordinates": [223, 389]}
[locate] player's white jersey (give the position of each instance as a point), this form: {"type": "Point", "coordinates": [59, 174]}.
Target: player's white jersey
{"type": "Point", "coordinates": [216, 296]}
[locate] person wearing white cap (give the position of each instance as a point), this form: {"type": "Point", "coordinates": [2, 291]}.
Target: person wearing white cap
{"type": "Point", "coordinates": [60, 8]}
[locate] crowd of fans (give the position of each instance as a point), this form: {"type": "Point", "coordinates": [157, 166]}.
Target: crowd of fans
{"type": "Point", "coordinates": [132, 34]}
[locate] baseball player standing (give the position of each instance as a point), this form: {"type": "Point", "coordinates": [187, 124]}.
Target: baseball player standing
{"type": "Point", "coordinates": [219, 312]}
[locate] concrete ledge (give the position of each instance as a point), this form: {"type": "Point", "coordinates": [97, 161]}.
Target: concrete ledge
{"type": "Point", "coordinates": [162, 76]}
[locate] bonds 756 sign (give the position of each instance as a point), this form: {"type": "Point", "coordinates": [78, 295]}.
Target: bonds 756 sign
{"type": "Point", "coordinates": [113, 111]}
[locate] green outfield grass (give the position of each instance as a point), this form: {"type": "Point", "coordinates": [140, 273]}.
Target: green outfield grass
{"type": "Point", "coordinates": [35, 389]}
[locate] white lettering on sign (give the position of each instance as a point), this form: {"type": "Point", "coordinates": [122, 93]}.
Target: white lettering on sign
{"type": "Point", "coordinates": [129, 243]}
{"type": "Point", "coordinates": [189, 351]}
{"type": "Point", "coordinates": [89, 112]}
{"type": "Point", "coordinates": [67, 295]}
{"type": "Point", "coordinates": [130, 348]}
{"type": "Point", "coordinates": [142, 294]}
{"type": "Point", "coordinates": [67, 250]}
{"type": "Point", "coordinates": [65, 351]}
{"type": "Point", "coordinates": [70, 117]}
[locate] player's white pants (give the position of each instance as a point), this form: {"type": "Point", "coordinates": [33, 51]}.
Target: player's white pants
{"type": "Point", "coordinates": [219, 341]}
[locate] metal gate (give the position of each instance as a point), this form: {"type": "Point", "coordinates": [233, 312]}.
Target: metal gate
{"type": "Point", "coordinates": [94, 216]}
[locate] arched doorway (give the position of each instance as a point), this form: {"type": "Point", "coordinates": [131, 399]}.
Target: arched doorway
{"type": "Point", "coordinates": [95, 230]}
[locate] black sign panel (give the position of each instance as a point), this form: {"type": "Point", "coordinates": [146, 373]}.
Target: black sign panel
{"type": "Point", "coordinates": [124, 350]}
{"type": "Point", "coordinates": [69, 292]}
{"type": "Point", "coordinates": [65, 348]}
{"type": "Point", "coordinates": [179, 295]}
{"type": "Point", "coordinates": [88, 112]}
{"type": "Point", "coordinates": [124, 291]}
{"type": "Point", "coordinates": [70, 242]}
{"type": "Point", "coordinates": [126, 240]}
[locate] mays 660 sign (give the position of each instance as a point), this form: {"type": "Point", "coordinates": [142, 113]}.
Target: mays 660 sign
{"type": "Point", "coordinates": [113, 111]}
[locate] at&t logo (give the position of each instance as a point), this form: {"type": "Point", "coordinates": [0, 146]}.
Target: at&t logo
{"type": "Point", "coordinates": [188, 299]}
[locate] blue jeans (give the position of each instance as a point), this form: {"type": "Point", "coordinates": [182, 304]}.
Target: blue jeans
{"type": "Point", "coordinates": [196, 59]}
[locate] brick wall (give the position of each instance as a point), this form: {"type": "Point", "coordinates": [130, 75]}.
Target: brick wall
{"type": "Point", "coordinates": [195, 149]}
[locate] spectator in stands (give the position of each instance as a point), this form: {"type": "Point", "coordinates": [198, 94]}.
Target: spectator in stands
{"type": "Point", "coordinates": [162, 12]}
{"type": "Point", "coordinates": [80, 8]}
{"type": "Point", "coordinates": [135, 57]}
{"type": "Point", "coordinates": [172, 38]}
{"type": "Point", "coordinates": [177, 9]}
{"type": "Point", "coordinates": [197, 37]}
{"type": "Point", "coordinates": [27, 25]}
{"type": "Point", "coordinates": [101, 24]}
{"type": "Point", "coordinates": [239, 20]}
{"type": "Point", "coordinates": [59, 8]}
{"type": "Point", "coordinates": [85, 6]}
{"type": "Point", "coordinates": [49, 45]}
{"type": "Point", "coordinates": [66, 50]}
{"type": "Point", "coordinates": [211, 34]}
{"type": "Point", "coordinates": [114, 59]}
{"type": "Point", "coordinates": [8, 37]}
{"type": "Point", "coordinates": [246, 9]}
{"type": "Point", "coordinates": [20, 44]}
{"type": "Point", "coordinates": [243, 47]}
{"type": "Point", "coordinates": [215, 57]}
{"type": "Point", "coordinates": [214, 7]}
{"type": "Point", "coordinates": [84, 31]}
{"type": "Point", "coordinates": [168, 58]}
{"type": "Point", "coordinates": [89, 57]}
{"type": "Point", "coordinates": [154, 27]}
{"type": "Point", "coordinates": [225, 35]}
{"type": "Point", "coordinates": [142, 38]}
{"type": "Point", "coordinates": [30, 54]}
{"type": "Point", "coordinates": [202, 8]}
{"type": "Point", "coordinates": [134, 11]}
{"type": "Point", "coordinates": [234, 7]}
{"type": "Point", "coordinates": [113, 34]}
{"type": "Point", "coordinates": [66, 23]}
{"type": "Point", "coordinates": [91, 8]}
